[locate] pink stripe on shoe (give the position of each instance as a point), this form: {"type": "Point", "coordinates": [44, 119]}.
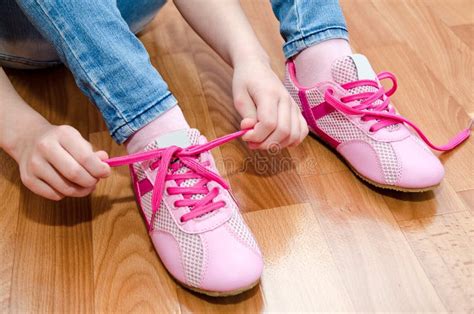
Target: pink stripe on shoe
{"type": "Point", "coordinates": [144, 186]}
{"type": "Point", "coordinates": [311, 115]}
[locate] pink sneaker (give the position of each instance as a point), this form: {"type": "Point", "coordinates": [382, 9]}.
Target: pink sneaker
{"type": "Point", "coordinates": [192, 218]}
{"type": "Point", "coordinates": [353, 114]}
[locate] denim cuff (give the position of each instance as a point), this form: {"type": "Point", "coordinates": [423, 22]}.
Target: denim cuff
{"type": "Point", "coordinates": [122, 133]}
{"type": "Point", "coordinates": [293, 47]}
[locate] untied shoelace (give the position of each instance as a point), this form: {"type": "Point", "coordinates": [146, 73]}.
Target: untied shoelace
{"type": "Point", "coordinates": [383, 112]}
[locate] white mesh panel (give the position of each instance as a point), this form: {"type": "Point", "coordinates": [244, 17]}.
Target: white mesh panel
{"type": "Point", "coordinates": [193, 136]}
{"type": "Point", "coordinates": [146, 205]}
{"type": "Point", "coordinates": [341, 129]}
{"type": "Point", "coordinates": [314, 97]}
{"type": "Point", "coordinates": [238, 226]}
{"type": "Point", "coordinates": [139, 171]}
{"type": "Point", "coordinates": [292, 89]}
{"type": "Point", "coordinates": [344, 70]}
{"type": "Point", "coordinates": [190, 245]}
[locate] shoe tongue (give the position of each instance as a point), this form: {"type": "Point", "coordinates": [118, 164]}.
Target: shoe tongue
{"type": "Point", "coordinates": [181, 138]}
{"type": "Point", "coordinates": [352, 68]}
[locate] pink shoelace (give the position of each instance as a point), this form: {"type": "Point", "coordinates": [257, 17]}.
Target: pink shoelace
{"type": "Point", "coordinates": [383, 112]}
{"type": "Point", "coordinates": [168, 160]}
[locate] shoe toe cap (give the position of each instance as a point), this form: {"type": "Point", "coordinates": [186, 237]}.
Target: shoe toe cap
{"type": "Point", "coordinates": [231, 265]}
{"type": "Point", "coordinates": [419, 167]}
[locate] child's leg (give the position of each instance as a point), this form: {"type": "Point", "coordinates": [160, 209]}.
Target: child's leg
{"type": "Point", "coordinates": [108, 62]}
{"type": "Point", "coordinates": [315, 33]}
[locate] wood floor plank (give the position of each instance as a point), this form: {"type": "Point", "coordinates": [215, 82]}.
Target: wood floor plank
{"type": "Point", "coordinates": [180, 72]}
{"type": "Point", "coordinates": [453, 12]}
{"type": "Point", "coordinates": [408, 206]}
{"type": "Point", "coordinates": [9, 208]}
{"type": "Point", "coordinates": [377, 265]}
{"type": "Point", "coordinates": [468, 197]}
{"type": "Point", "coordinates": [166, 34]}
{"type": "Point", "coordinates": [443, 245]}
{"type": "Point", "coordinates": [128, 275]}
{"type": "Point", "coordinates": [53, 260]}
{"type": "Point", "coordinates": [53, 249]}
{"type": "Point", "coordinates": [447, 57]}
{"type": "Point", "coordinates": [248, 302]}
{"type": "Point", "coordinates": [300, 273]}
{"type": "Point", "coordinates": [361, 16]}
{"type": "Point", "coordinates": [466, 33]}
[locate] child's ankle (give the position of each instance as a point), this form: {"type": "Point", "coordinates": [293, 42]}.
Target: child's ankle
{"type": "Point", "coordinates": [313, 64]}
{"type": "Point", "coordinates": [170, 121]}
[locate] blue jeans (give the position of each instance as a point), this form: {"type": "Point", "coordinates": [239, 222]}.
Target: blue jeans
{"type": "Point", "coordinates": [96, 41]}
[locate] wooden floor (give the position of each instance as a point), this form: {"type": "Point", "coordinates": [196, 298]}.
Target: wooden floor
{"type": "Point", "coordinates": [330, 242]}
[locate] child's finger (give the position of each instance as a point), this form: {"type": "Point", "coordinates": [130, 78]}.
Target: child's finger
{"type": "Point", "coordinates": [68, 166]}
{"type": "Point", "coordinates": [81, 151]}
{"type": "Point", "coordinates": [283, 128]}
{"type": "Point", "coordinates": [248, 123]}
{"type": "Point", "coordinates": [294, 138]}
{"type": "Point", "coordinates": [49, 175]}
{"type": "Point", "coordinates": [304, 128]}
{"type": "Point", "coordinates": [103, 156]}
{"type": "Point", "coordinates": [40, 188]}
{"type": "Point", "coordinates": [267, 120]}
{"type": "Point", "coordinates": [245, 106]}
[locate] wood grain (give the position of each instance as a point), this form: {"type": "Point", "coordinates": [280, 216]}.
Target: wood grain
{"type": "Point", "coordinates": [464, 32]}
{"type": "Point", "coordinates": [330, 242]}
{"type": "Point", "coordinates": [408, 206]}
{"type": "Point", "coordinates": [451, 64]}
{"type": "Point", "coordinates": [9, 207]}
{"type": "Point", "coordinates": [375, 261]}
{"type": "Point", "coordinates": [298, 259]}
{"type": "Point", "coordinates": [128, 276]}
{"type": "Point", "coordinates": [443, 244]}
{"type": "Point", "coordinates": [468, 198]}
{"type": "Point", "coordinates": [53, 245]}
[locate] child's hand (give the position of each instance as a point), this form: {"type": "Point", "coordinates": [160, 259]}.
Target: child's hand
{"type": "Point", "coordinates": [56, 161]}
{"type": "Point", "coordinates": [265, 105]}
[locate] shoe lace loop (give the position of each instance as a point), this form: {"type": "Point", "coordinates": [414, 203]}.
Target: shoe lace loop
{"type": "Point", "coordinates": [168, 160]}
{"type": "Point", "coordinates": [376, 106]}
